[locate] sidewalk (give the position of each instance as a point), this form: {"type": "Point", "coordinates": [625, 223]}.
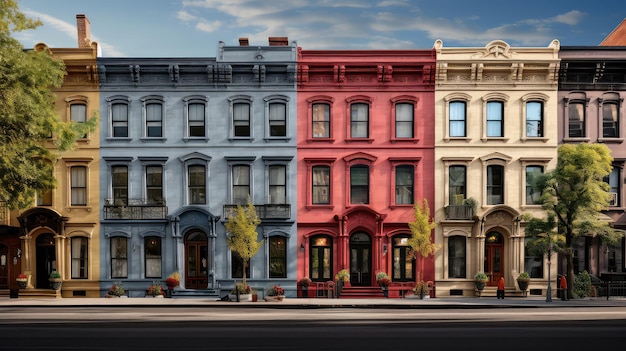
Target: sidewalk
{"type": "Point", "coordinates": [295, 303]}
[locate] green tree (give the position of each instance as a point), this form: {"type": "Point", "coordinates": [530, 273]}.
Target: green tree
{"type": "Point", "coordinates": [573, 195]}
{"type": "Point", "coordinates": [27, 113]}
{"type": "Point", "coordinates": [420, 240]}
{"type": "Point", "coordinates": [242, 236]}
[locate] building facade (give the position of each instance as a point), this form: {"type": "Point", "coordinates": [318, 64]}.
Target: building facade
{"type": "Point", "coordinates": [184, 141]}
{"type": "Point", "coordinates": [495, 125]}
{"type": "Point", "coordinates": [61, 233]}
{"type": "Point", "coordinates": [365, 157]}
{"type": "Point", "coordinates": [591, 98]}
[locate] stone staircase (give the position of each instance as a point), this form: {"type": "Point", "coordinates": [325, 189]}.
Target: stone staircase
{"type": "Point", "coordinates": [361, 292]}
{"type": "Point", "coordinates": [39, 294]}
{"type": "Point", "coordinates": [491, 291]}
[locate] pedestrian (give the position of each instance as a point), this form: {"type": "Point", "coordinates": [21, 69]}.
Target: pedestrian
{"type": "Point", "coordinates": [500, 292]}
{"type": "Point", "coordinates": [563, 287]}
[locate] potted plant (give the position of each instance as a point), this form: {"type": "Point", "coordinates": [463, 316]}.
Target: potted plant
{"type": "Point", "coordinates": [422, 289]}
{"type": "Point", "coordinates": [22, 280]}
{"type": "Point", "coordinates": [155, 290]}
{"type": "Point", "coordinates": [304, 283]}
{"type": "Point", "coordinates": [55, 280]}
{"type": "Point", "coordinates": [342, 278]}
{"type": "Point", "coordinates": [382, 279]}
{"type": "Point", "coordinates": [480, 279]}
{"type": "Point", "coordinates": [523, 280]}
{"type": "Point", "coordinates": [274, 294]}
{"type": "Point", "coordinates": [117, 290]}
{"type": "Point", "coordinates": [171, 282]}
{"type": "Point", "coordinates": [240, 292]}
{"type": "Point", "coordinates": [255, 295]}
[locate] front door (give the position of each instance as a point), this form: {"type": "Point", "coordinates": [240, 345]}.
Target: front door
{"type": "Point", "coordinates": [196, 258]}
{"type": "Point", "coordinates": [494, 249]}
{"type": "Point", "coordinates": [360, 260]}
{"type": "Point", "coordinates": [4, 267]}
{"type": "Point", "coordinates": [46, 259]}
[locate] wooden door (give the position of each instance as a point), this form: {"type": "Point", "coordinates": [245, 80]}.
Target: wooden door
{"type": "Point", "coordinates": [196, 261]}
{"type": "Point", "coordinates": [494, 252]}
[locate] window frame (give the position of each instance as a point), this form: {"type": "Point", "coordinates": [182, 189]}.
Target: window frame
{"type": "Point", "coordinates": [277, 161]}
{"type": "Point", "coordinates": [115, 257]}
{"type": "Point", "coordinates": [113, 101]}
{"type": "Point", "coordinates": [73, 101]}
{"type": "Point", "coordinates": [452, 259]}
{"type": "Point", "coordinates": [113, 161]}
{"type": "Point", "coordinates": [240, 162]}
{"type": "Point", "coordinates": [577, 98]}
{"type": "Point", "coordinates": [240, 100]}
{"type": "Point", "coordinates": [401, 101]}
{"type": "Point", "coordinates": [82, 260]}
{"type": "Point", "coordinates": [146, 102]}
{"type": "Point", "coordinates": [542, 162]}
{"type": "Point", "coordinates": [457, 98]}
{"type": "Point", "coordinates": [610, 99]}
{"type": "Point", "coordinates": [189, 101]}
{"type": "Point", "coordinates": [271, 101]}
{"type": "Point", "coordinates": [158, 244]}
{"type": "Point", "coordinates": [191, 160]}
{"type": "Point", "coordinates": [70, 178]}
{"type": "Point", "coordinates": [311, 164]}
{"type": "Point", "coordinates": [353, 101]}
{"type": "Point", "coordinates": [277, 257]}
{"type": "Point", "coordinates": [495, 159]}
{"type": "Point", "coordinates": [321, 243]}
{"type": "Point", "coordinates": [149, 161]}
{"type": "Point", "coordinates": [490, 100]}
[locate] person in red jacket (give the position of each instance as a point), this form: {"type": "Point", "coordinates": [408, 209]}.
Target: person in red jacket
{"type": "Point", "coordinates": [500, 292]}
{"type": "Point", "coordinates": [563, 286]}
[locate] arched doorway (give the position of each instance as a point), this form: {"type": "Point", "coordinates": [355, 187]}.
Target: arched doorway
{"type": "Point", "coordinates": [494, 252]}
{"type": "Point", "coordinates": [196, 260]}
{"type": "Point", "coordinates": [46, 259]}
{"type": "Point", "coordinates": [321, 258]}
{"type": "Point", "coordinates": [360, 259]}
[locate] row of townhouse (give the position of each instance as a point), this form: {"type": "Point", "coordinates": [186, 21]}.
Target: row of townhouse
{"type": "Point", "coordinates": [333, 147]}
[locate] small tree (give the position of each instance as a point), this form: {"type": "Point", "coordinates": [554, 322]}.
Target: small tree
{"type": "Point", "coordinates": [242, 236]}
{"type": "Point", "coordinates": [420, 240]}
{"type": "Point", "coordinates": [573, 195]}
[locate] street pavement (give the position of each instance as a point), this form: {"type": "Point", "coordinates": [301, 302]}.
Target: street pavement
{"type": "Point", "coordinates": [294, 303]}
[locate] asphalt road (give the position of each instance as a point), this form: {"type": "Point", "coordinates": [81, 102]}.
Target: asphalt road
{"type": "Point", "coordinates": [157, 328]}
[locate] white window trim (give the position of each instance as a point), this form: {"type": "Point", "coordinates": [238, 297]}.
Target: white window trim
{"type": "Point", "coordinates": [494, 97]}
{"type": "Point", "coordinates": [454, 97]}
{"type": "Point", "coordinates": [195, 159]}
{"type": "Point", "coordinates": [280, 99]}
{"type": "Point", "coordinates": [152, 99]}
{"type": "Point", "coordinates": [117, 99]}
{"type": "Point", "coordinates": [235, 100]}
{"type": "Point", "coordinates": [532, 97]}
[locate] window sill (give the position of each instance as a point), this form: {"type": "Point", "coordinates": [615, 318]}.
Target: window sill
{"type": "Point", "coordinates": [357, 140]}
{"type": "Point", "coordinates": [576, 140]}
{"type": "Point", "coordinates": [271, 139]}
{"type": "Point", "coordinates": [318, 140]}
{"type": "Point", "coordinates": [531, 139]}
{"type": "Point", "coordinates": [500, 139]}
{"type": "Point", "coordinates": [317, 207]}
{"type": "Point", "coordinates": [117, 139]}
{"type": "Point", "coordinates": [401, 206]}
{"type": "Point", "coordinates": [404, 140]}
{"type": "Point", "coordinates": [147, 139]}
{"type": "Point", "coordinates": [240, 139]}
{"type": "Point", "coordinates": [611, 140]}
{"type": "Point", "coordinates": [465, 139]}
{"type": "Point", "coordinates": [201, 139]}
{"type": "Point", "coordinates": [76, 207]}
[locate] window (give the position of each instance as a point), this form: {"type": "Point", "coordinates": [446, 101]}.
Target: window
{"type": "Point", "coordinates": [403, 261]}
{"type": "Point", "coordinates": [532, 193]}
{"type": "Point", "coordinates": [152, 247]}
{"type": "Point", "coordinates": [321, 258]}
{"type": "Point", "coordinates": [534, 119]}
{"type": "Point", "coordinates": [456, 257]}
{"type": "Point", "coordinates": [119, 118]}
{"type": "Point", "coordinates": [241, 184]}
{"type": "Point", "coordinates": [78, 176]}
{"type": "Point", "coordinates": [237, 266]}
{"type": "Point", "coordinates": [154, 184]}
{"type": "Point", "coordinates": [321, 185]}
{"type": "Point", "coordinates": [197, 185]}
{"type": "Point", "coordinates": [278, 184]}
{"type": "Point", "coordinates": [495, 185]}
{"type": "Point", "coordinates": [533, 259]}
{"type": "Point", "coordinates": [277, 257]}
{"type": "Point", "coordinates": [495, 119]}
{"type": "Point", "coordinates": [457, 182]}
{"type": "Point", "coordinates": [78, 114]}
{"type": "Point", "coordinates": [278, 119]}
{"type": "Point", "coordinates": [458, 119]}
{"type": "Point", "coordinates": [241, 119]}
{"type": "Point", "coordinates": [321, 120]}
{"type": "Point", "coordinates": [196, 120]}
{"type": "Point", "coordinates": [80, 251]}
{"type": "Point", "coordinates": [610, 120]}
{"type": "Point", "coordinates": [119, 257]}
{"type": "Point", "coordinates": [613, 179]}
{"type": "Point", "coordinates": [359, 120]}
{"type": "Point", "coordinates": [576, 112]}
{"type": "Point", "coordinates": [404, 120]}
{"type": "Point", "coordinates": [359, 184]}
{"type": "Point", "coordinates": [404, 185]}
{"type": "Point", "coordinates": [154, 120]}
{"type": "Point", "coordinates": [120, 184]}
{"type": "Point", "coordinates": [44, 197]}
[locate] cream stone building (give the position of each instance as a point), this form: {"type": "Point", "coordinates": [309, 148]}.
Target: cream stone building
{"type": "Point", "coordinates": [61, 232]}
{"type": "Point", "coordinates": [495, 125]}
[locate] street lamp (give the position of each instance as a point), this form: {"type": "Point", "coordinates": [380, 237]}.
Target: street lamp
{"type": "Point", "coordinates": [549, 291]}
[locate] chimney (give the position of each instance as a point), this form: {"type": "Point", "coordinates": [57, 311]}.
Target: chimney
{"type": "Point", "coordinates": [243, 42]}
{"type": "Point", "coordinates": [279, 41]}
{"type": "Point", "coordinates": [84, 33]}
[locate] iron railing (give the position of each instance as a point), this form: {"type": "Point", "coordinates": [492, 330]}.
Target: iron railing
{"type": "Point", "coordinates": [135, 209]}
{"type": "Point", "coordinates": [459, 212]}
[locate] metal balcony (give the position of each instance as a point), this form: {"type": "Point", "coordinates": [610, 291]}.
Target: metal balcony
{"type": "Point", "coordinates": [270, 211]}
{"type": "Point", "coordinates": [135, 209]}
{"type": "Point", "coordinates": [459, 212]}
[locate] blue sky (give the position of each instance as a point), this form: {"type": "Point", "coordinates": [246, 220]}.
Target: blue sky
{"type": "Point", "coordinates": [193, 28]}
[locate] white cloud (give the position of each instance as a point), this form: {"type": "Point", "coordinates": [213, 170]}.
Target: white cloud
{"type": "Point", "coordinates": [209, 27]}
{"type": "Point", "coordinates": [572, 18]}
{"type": "Point", "coordinates": [185, 16]}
